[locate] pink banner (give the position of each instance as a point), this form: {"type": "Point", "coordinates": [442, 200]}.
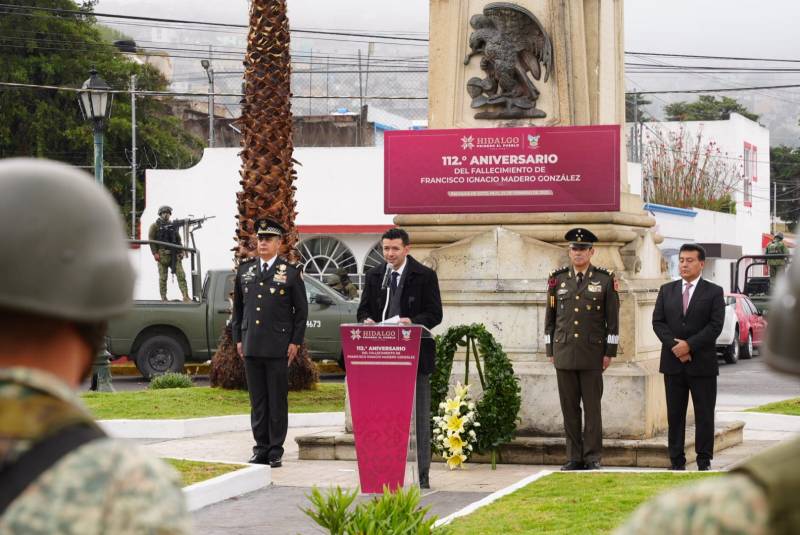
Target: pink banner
{"type": "Point", "coordinates": [381, 366]}
{"type": "Point", "coordinates": [531, 169]}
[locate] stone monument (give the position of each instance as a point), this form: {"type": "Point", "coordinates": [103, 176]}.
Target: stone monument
{"type": "Point", "coordinates": [545, 63]}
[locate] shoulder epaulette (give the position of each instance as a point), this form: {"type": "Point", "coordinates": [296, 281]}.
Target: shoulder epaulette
{"type": "Point", "coordinates": [604, 270]}
{"type": "Point", "coordinates": [248, 261]}
{"type": "Point", "coordinates": [562, 269]}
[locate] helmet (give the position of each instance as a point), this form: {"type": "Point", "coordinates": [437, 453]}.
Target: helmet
{"type": "Point", "coordinates": [66, 255]}
{"type": "Point", "coordinates": [165, 208]}
{"type": "Point", "coordinates": [779, 235]}
{"type": "Point", "coordinates": [781, 349]}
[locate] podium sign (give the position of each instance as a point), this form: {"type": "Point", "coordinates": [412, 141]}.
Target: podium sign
{"type": "Point", "coordinates": [381, 363]}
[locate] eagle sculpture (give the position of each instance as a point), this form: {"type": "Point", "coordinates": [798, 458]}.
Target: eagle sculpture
{"type": "Point", "coordinates": [515, 47]}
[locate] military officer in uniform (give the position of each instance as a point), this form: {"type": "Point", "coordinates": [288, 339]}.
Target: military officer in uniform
{"type": "Point", "coordinates": [776, 265]}
{"type": "Point", "coordinates": [581, 336]}
{"type": "Point", "coordinates": [269, 321]}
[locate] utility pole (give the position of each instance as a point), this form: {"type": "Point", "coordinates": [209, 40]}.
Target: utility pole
{"type": "Point", "coordinates": [206, 63]}
{"type": "Point", "coordinates": [774, 206]}
{"type": "Point", "coordinates": [133, 156]}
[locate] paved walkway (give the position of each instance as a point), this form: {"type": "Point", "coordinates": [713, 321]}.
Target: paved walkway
{"type": "Point", "coordinates": [278, 508]}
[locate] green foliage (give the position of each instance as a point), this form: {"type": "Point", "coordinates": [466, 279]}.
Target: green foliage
{"type": "Point", "coordinates": [784, 165]}
{"type": "Point", "coordinates": [47, 49]}
{"type": "Point", "coordinates": [396, 512]}
{"type": "Point", "coordinates": [171, 380]}
{"type": "Point", "coordinates": [501, 400]}
{"type": "Point", "coordinates": [707, 108]}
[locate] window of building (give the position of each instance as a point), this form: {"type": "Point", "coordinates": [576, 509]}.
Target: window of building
{"type": "Point", "coordinates": [748, 191]}
{"type": "Point", "coordinates": [323, 255]}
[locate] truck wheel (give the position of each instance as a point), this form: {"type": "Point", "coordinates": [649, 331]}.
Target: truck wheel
{"type": "Point", "coordinates": [747, 347]}
{"type": "Point", "coordinates": [732, 351]}
{"type": "Point", "coordinates": [158, 355]}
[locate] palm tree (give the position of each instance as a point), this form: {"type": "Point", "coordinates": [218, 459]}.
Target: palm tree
{"type": "Point", "coordinates": [267, 166]}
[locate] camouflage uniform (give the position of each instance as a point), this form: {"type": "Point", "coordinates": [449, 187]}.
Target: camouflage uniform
{"type": "Point", "coordinates": [776, 265]}
{"type": "Point", "coordinates": [105, 486]}
{"type": "Point", "coordinates": [164, 263]}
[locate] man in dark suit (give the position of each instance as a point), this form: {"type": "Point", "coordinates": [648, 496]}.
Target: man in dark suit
{"type": "Point", "coordinates": [269, 321]}
{"type": "Point", "coordinates": [581, 337]}
{"type": "Point", "coordinates": [405, 288]}
{"type": "Point", "coordinates": [688, 318]}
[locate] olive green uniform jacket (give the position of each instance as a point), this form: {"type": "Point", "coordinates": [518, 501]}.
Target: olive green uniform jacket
{"type": "Point", "coordinates": [582, 320]}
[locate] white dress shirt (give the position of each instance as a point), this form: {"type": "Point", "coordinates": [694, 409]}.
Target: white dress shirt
{"type": "Point", "coordinates": [262, 262]}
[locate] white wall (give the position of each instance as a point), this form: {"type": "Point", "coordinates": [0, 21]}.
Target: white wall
{"type": "Point", "coordinates": [335, 186]}
{"type": "Point", "coordinates": [730, 136]}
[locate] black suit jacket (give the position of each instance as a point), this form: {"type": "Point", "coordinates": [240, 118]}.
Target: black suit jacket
{"type": "Point", "coordinates": [420, 301]}
{"type": "Point", "coordinates": [700, 327]}
{"type": "Point", "coordinates": [269, 310]}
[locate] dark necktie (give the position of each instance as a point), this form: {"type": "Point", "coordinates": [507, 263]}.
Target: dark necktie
{"type": "Point", "coordinates": [264, 268]}
{"type": "Point", "coordinates": [580, 278]}
{"type": "Point", "coordinates": [393, 285]}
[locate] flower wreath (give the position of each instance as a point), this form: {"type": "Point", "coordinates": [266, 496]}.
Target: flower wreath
{"type": "Point", "coordinates": [499, 405]}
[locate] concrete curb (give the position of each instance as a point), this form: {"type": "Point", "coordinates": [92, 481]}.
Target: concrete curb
{"type": "Point", "coordinates": [474, 506]}
{"type": "Point", "coordinates": [194, 427]}
{"type": "Point", "coordinates": [236, 483]}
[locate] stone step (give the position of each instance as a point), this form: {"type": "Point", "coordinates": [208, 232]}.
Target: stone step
{"type": "Point", "coordinates": [647, 453]}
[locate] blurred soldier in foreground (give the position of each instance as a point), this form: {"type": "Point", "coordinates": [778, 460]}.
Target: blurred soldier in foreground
{"type": "Point", "coordinates": [341, 283]}
{"type": "Point", "coordinates": [167, 259]}
{"type": "Point", "coordinates": [60, 473]}
{"type": "Point", "coordinates": [776, 265]}
{"type": "Point", "coordinates": [761, 495]}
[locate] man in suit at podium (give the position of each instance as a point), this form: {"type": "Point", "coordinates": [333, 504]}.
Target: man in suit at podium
{"type": "Point", "coordinates": [688, 318]}
{"type": "Point", "coordinates": [404, 288]}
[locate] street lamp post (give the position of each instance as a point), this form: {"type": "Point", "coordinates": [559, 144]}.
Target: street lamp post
{"type": "Point", "coordinates": [94, 99]}
{"type": "Point", "coordinates": [210, 73]}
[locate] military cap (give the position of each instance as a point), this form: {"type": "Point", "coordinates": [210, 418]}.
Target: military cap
{"type": "Point", "coordinates": [165, 208]}
{"type": "Point", "coordinates": [580, 238]}
{"type": "Point", "coordinates": [268, 227]}
{"type": "Point", "coordinates": [779, 236]}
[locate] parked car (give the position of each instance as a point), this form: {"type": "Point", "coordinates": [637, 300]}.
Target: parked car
{"type": "Point", "coordinates": [160, 336]}
{"type": "Point", "coordinates": [743, 331]}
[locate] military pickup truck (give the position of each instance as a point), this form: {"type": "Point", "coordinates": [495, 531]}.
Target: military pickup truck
{"type": "Point", "coordinates": [160, 336]}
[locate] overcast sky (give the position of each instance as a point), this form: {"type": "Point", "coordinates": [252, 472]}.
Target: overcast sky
{"type": "Point", "coordinates": [706, 27]}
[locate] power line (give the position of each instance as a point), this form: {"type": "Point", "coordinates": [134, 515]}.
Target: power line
{"type": "Point", "coordinates": [726, 58]}
{"type": "Point", "coordinates": [713, 90]}
{"type": "Point", "coordinates": [202, 23]}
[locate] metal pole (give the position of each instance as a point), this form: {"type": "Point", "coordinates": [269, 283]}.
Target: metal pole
{"type": "Point", "coordinates": [327, 84]}
{"type": "Point", "coordinates": [210, 99]}
{"type": "Point", "coordinates": [98, 153]}
{"type": "Point", "coordinates": [360, 101]}
{"type": "Point", "coordinates": [310, 79]}
{"type": "Point", "coordinates": [133, 156]}
{"type": "Point", "coordinates": [636, 148]}
{"type": "Point", "coordinates": [774, 207]}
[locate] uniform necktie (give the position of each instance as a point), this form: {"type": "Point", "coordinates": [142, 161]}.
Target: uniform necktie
{"type": "Point", "coordinates": [393, 285]}
{"type": "Point", "coordinates": [580, 278]}
{"type": "Point", "coordinates": [264, 268]}
{"type": "Point", "coordinates": [686, 297]}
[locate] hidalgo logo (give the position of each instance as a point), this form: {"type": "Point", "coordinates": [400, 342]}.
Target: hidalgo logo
{"type": "Point", "coordinates": [533, 141]}
{"type": "Point", "coordinates": [467, 142]}
{"type": "Point", "coordinates": [355, 334]}
{"type": "Point", "coordinates": [406, 334]}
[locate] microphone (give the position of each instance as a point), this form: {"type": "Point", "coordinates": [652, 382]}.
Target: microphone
{"type": "Point", "coordinates": [385, 283]}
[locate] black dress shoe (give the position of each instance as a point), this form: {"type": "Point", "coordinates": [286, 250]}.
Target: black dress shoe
{"type": "Point", "coordinates": [593, 465]}
{"type": "Point", "coordinates": [258, 458]}
{"type": "Point", "coordinates": [275, 463]}
{"type": "Point", "coordinates": [573, 465]}
{"type": "Point", "coordinates": [424, 483]}
{"type": "Point", "coordinates": [704, 467]}
{"type": "Point", "coordinates": [678, 467]}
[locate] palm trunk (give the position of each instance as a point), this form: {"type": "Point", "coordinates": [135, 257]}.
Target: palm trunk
{"type": "Point", "coordinates": [267, 170]}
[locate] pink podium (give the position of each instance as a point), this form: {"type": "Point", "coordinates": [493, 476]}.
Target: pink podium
{"type": "Point", "coordinates": [381, 362]}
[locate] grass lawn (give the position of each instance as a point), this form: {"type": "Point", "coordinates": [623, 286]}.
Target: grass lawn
{"type": "Point", "coordinates": [790, 407]}
{"type": "Point", "coordinates": [570, 503]}
{"type": "Point", "coordinates": [195, 471]}
{"type": "Point", "coordinates": [202, 401]}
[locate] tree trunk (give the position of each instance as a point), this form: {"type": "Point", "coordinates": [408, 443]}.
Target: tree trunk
{"type": "Point", "coordinates": [267, 170]}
